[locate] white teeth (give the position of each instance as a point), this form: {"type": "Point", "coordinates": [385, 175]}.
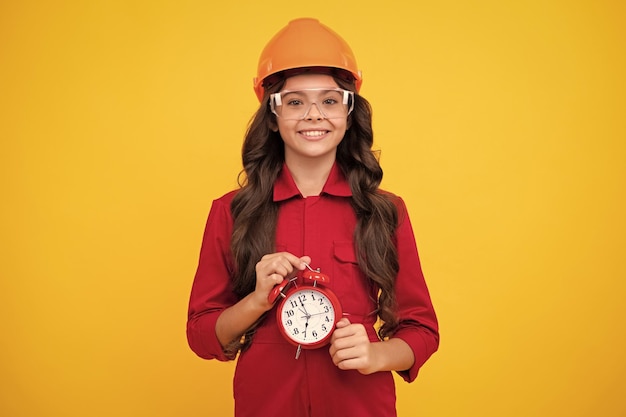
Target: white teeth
{"type": "Point", "coordinates": [313, 133]}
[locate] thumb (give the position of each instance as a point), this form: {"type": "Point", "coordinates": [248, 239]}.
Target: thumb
{"type": "Point", "coordinates": [344, 322]}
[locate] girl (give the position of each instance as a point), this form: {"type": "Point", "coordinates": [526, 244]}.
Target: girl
{"type": "Point", "coordinates": [311, 199]}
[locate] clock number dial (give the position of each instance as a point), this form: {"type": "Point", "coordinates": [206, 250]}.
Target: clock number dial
{"type": "Point", "coordinates": [308, 317]}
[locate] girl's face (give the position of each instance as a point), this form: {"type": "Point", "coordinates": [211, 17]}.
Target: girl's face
{"type": "Point", "coordinates": [315, 137]}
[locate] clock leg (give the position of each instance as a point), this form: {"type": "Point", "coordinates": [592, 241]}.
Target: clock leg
{"type": "Point", "coordinates": [298, 351]}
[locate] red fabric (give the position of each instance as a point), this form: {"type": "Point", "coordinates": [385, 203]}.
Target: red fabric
{"type": "Point", "coordinates": [268, 380]}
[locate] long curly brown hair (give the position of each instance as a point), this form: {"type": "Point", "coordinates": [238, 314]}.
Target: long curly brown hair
{"type": "Point", "coordinates": [263, 158]}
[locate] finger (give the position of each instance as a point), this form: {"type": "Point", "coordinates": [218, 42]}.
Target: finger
{"type": "Point", "coordinates": [294, 261]}
{"type": "Point", "coordinates": [290, 261]}
{"type": "Point", "coordinates": [350, 335]}
{"type": "Point", "coordinates": [352, 363]}
{"type": "Point", "coordinates": [304, 261]}
{"type": "Point", "coordinates": [340, 338]}
{"type": "Point", "coordinates": [278, 263]}
{"type": "Point", "coordinates": [343, 329]}
{"type": "Point", "coordinates": [344, 322]}
{"type": "Point", "coordinates": [351, 356]}
{"type": "Point", "coordinates": [276, 279]}
{"type": "Point", "coordinates": [341, 355]}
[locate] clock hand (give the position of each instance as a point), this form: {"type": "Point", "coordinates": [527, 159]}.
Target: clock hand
{"type": "Point", "coordinates": [317, 314]}
{"type": "Point", "coordinates": [305, 312]}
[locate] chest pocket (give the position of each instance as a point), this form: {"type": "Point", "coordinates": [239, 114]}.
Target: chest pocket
{"type": "Point", "coordinates": [349, 283]}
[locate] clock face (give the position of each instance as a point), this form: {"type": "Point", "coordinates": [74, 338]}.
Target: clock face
{"type": "Point", "coordinates": [308, 316]}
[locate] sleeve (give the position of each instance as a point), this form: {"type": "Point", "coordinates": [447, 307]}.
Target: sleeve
{"type": "Point", "coordinates": [418, 325]}
{"type": "Point", "coordinates": [211, 292]}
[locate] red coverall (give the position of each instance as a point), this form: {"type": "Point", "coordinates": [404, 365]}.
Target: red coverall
{"type": "Point", "coordinates": [268, 380]}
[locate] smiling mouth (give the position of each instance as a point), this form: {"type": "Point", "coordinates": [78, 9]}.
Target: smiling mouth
{"type": "Point", "coordinates": [313, 133]}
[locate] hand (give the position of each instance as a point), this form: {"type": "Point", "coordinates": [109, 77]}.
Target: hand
{"type": "Point", "coordinates": [350, 348]}
{"type": "Point", "coordinates": [272, 269]}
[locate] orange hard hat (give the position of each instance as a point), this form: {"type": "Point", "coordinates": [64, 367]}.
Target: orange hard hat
{"type": "Point", "coordinates": [305, 43]}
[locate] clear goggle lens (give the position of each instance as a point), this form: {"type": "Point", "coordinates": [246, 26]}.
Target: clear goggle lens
{"type": "Point", "coordinates": [298, 104]}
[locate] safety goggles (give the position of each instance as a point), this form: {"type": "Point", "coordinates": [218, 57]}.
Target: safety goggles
{"type": "Point", "coordinates": [331, 103]}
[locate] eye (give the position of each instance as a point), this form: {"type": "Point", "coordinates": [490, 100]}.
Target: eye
{"type": "Point", "coordinates": [331, 98]}
{"type": "Point", "coordinates": [294, 102]}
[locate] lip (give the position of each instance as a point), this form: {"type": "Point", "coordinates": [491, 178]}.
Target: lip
{"type": "Point", "coordinates": [314, 134]}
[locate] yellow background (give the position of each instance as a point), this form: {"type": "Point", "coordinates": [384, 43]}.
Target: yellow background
{"type": "Point", "coordinates": [501, 123]}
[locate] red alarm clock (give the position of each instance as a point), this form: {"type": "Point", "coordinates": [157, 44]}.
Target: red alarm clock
{"type": "Point", "coordinates": [307, 314]}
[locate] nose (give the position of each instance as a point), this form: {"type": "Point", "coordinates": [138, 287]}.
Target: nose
{"type": "Point", "coordinates": [314, 114]}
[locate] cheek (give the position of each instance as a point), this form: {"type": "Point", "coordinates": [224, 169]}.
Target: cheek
{"type": "Point", "coordinates": [343, 125]}
{"type": "Point", "coordinates": [342, 131]}
{"type": "Point", "coordinates": [282, 127]}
